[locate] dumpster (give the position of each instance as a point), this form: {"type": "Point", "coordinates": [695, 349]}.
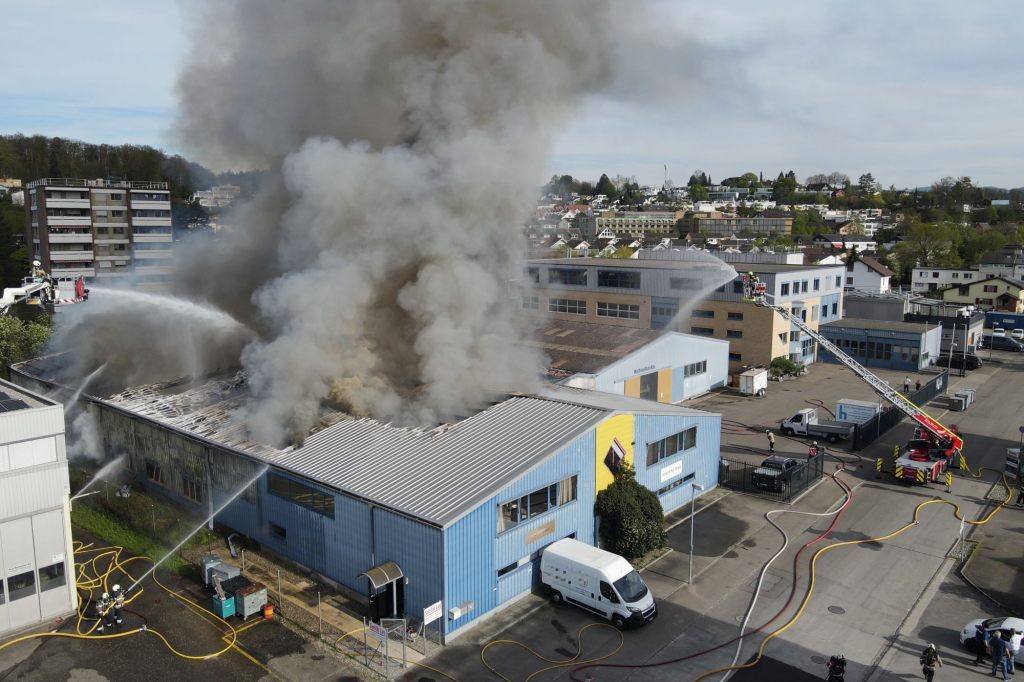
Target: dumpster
{"type": "Point", "coordinates": [224, 608]}
{"type": "Point", "coordinates": [250, 600]}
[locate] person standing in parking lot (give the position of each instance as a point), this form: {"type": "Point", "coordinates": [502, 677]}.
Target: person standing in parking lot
{"type": "Point", "coordinates": [906, 385]}
{"type": "Point", "coordinates": [771, 441]}
{"type": "Point", "coordinates": [1012, 649]}
{"type": "Point", "coordinates": [997, 647]}
{"type": "Point", "coordinates": [980, 643]}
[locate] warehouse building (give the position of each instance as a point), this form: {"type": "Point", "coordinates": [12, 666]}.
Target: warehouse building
{"type": "Point", "coordinates": [668, 367]}
{"type": "Point", "coordinates": [910, 346]}
{"type": "Point", "coordinates": [408, 517]}
{"type": "Point", "coordinates": [36, 560]}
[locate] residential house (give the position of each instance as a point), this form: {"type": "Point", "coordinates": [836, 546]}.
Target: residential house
{"type": "Point", "coordinates": [992, 293]}
{"type": "Point", "coordinates": [924, 280]}
{"type": "Point", "coordinates": [867, 274]}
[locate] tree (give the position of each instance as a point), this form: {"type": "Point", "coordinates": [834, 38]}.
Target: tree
{"type": "Point", "coordinates": [14, 259]}
{"type": "Point", "coordinates": [622, 252]}
{"type": "Point", "coordinates": [20, 340]}
{"type": "Point", "coordinates": [631, 516]}
{"type": "Point", "coordinates": [698, 193]}
{"type": "Point", "coordinates": [606, 187]}
{"type": "Point", "coordinates": [929, 245]}
{"type": "Point", "coordinates": [783, 366]}
{"type": "Point", "coordinates": [838, 180]}
{"type": "Point", "coordinates": [699, 177]}
{"type": "Point", "coordinates": [867, 185]}
{"type": "Point", "coordinates": [748, 180]}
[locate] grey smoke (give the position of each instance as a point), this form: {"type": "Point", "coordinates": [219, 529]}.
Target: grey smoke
{"type": "Point", "coordinates": [405, 142]}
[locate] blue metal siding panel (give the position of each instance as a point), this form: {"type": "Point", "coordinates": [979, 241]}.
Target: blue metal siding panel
{"type": "Point", "coordinates": [908, 339]}
{"type": "Point", "coordinates": [416, 548]}
{"type": "Point", "coordinates": [474, 551]}
{"type": "Point", "coordinates": [702, 460]}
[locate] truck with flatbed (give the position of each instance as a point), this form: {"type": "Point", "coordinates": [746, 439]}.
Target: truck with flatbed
{"type": "Point", "coordinates": [806, 423]}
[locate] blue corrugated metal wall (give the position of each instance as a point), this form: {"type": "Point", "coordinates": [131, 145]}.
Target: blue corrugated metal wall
{"type": "Point", "coordinates": [702, 460]}
{"type": "Point", "coordinates": [416, 548]}
{"type": "Point", "coordinates": [474, 550]}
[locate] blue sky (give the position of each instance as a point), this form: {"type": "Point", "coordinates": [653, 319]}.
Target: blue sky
{"type": "Point", "coordinates": [912, 90]}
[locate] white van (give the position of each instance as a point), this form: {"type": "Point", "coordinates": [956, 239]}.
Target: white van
{"type": "Point", "coordinates": [597, 581]}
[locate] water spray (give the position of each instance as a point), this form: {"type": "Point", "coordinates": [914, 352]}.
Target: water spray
{"type": "Point", "coordinates": [85, 382]}
{"type": "Point", "coordinates": [262, 470]}
{"type": "Point", "coordinates": [104, 470]}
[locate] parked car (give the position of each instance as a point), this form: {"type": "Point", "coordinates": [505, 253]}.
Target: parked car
{"type": "Point", "coordinates": [1003, 343]}
{"type": "Point", "coordinates": [1017, 334]}
{"type": "Point", "coordinates": [774, 473]}
{"type": "Point", "coordinates": [992, 625]}
{"type": "Point", "coordinates": [998, 331]}
{"type": "Point", "coordinates": [959, 361]}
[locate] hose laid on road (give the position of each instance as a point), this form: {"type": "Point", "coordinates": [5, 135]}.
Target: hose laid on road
{"type": "Point", "coordinates": [882, 538]}
{"type": "Point", "coordinates": [99, 579]}
{"type": "Point", "coordinates": [574, 661]}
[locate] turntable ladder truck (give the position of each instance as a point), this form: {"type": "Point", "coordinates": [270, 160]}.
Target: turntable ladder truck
{"type": "Point", "coordinates": [916, 464]}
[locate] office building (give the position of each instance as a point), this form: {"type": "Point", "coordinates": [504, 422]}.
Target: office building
{"type": "Point", "coordinates": [100, 229]}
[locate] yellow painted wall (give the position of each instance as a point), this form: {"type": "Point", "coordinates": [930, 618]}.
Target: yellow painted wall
{"type": "Point", "coordinates": [618, 427]}
{"type": "Point", "coordinates": [665, 385]}
{"type": "Point", "coordinates": [633, 388]}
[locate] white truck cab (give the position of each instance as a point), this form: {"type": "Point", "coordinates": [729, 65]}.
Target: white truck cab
{"type": "Point", "coordinates": [598, 581]}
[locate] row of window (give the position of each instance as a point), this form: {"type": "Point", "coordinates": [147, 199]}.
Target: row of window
{"type": "Point", "coordinates": [190, 487]}
{"type": "Point", "coordinates": [696, 368]}
{"type": "Point", "coordinates": [532, 505]}
{"type": "Point", "coordinates": [802, 287]}
{"type": "Point", "coordinates": [878, 350]}
{"type": "Point", "coordinates": [622, 310]}
{"type": "Point", "coordinates": [666, 447]}
{"type": "Point", "coordinates": [24, 584]}
{"type": "Point", "coordinates": [702, 331]}
{"type": "Point", "coordinates": [301, 494]}
{"type": "Point", "coordinates": [567, 305]}
{"type": "Point", "coordinates": [676, 483]}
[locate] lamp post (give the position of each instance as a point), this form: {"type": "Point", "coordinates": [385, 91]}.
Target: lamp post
{"type": "Point", "coordinates": [694, 489]}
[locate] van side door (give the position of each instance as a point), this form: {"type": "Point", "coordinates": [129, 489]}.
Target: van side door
{"type": "Point", "coordinates": [608, 598]}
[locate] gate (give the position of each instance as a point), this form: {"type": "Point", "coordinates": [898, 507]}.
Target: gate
{"type": "Point", "coordinates": [784, 488]}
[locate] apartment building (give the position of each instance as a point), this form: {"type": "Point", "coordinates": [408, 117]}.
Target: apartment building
{"type": "Point", "coordinates": [100, 229]}
{"type": "Point", "coordinates": [634, 223]}
{"type": "Point", "coordinates": [657, 292]}
{"type": "Point", "coordinates": [923, 280]}
{"type": "Point", "coordinates": [715, 223]}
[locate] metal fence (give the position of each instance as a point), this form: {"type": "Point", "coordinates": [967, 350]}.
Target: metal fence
{"type": "Point", "coordinates": [867, 433]}
{"type": "Point", "coordinates": [784, 487]}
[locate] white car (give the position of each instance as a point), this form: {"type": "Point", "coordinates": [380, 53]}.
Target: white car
{"type": "Point", "coordinates": [992, 625]}
{"type": "Point", "coordinates": [1017, 334]}
{"type": "Point", "coordinates": [998, 331]}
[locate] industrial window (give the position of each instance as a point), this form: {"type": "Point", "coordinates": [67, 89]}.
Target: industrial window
{"type": "Point", "coordinates": [567, 305]}
{"type": "Point", "coordinates": [191, 489]}
{"type": "Point", "coordinates": [663, 311]}
{"type": "Point", "coordinates": [737, 317]}
{"type": "Point", "coordinates": [301, 494]}
{"type": "Point", "coordinates": [532, 274]}
{"type": "Point", "coordinates": [155, 472]}
{"type": "Point", "coordinates": [51, 577]}
{"type": "Point", "coordinates": [702, 331]}
{"type": "Point", "coordinates": [278, 531]}
{"type": "Point", "coordinates": [703, 313]}
{"type": "Point", "coordinates": [572, 276]}
{"type": "Point", "coordinates": [785, 289]}
{"type": "Point", "coordinates": [623, 310]}
{"type": "Point", "coordinates": [676, 483]}
{"type": "Point", "coordinates": [684, 283]}
{"type": "Point", "coordinates": [531, 302]}
{"type": "Point", "coordinates": [807, 347]}
{"type": "Point", "coordinates": [508, 569]}
{"type": "Point", "coordinates": [531, 505]}
{"type": "Point", "coordinates": [618, 279]}
{"type": "Point", "coordinates": [737, 287]}
{"type": "Point", "coordinates": [22, 585]}
{"type": "Point", "coordinates": [735, 357]}
{"type": "Point", "coordinates": [817, 284]}
{"type": "Point", "coordinates": [733, 334]}
{"type": "Point", "coordinates": [695, 368]}
{"type": "Point", "coordinates": [666, 447]}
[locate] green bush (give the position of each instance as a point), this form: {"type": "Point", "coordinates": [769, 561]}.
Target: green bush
{"type": "Point", "coordinates": [783, 366]}
{"type": "Point", "coordinates": [631, 516]}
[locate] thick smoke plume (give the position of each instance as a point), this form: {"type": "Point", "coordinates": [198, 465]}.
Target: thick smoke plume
{"type": "Point", "coordinates": [405, 142]}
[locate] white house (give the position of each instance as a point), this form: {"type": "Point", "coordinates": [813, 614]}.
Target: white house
{"type": "Point", "coordinates": [867, 274]}
{"type": "Point", "coordinates": [923, 280]}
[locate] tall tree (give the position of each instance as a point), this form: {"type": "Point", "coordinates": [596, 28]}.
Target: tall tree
{"type": "Point", "coordinates": [606, 187]}
{"type": "Point", "coordinates": [867, 185]}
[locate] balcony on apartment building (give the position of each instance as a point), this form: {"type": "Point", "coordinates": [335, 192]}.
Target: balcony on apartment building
{"type": "Point", "coordinates": [71, 256]}
{"type": "Point", "coordinates": [70, 235]}
{"type": "Point", "coordinates": [72, 270]}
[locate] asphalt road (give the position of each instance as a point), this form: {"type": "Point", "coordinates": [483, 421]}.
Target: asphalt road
{"type": "Point", "coordinates": [863, 594]}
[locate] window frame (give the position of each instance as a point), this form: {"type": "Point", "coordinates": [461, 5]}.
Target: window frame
{"type": "Point", "coordinates": [558, 494]}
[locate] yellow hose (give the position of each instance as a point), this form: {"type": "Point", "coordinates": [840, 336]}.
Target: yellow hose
{"type": "Point", "coordinates": [574, 661]}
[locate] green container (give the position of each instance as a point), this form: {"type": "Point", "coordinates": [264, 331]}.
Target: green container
{"type": "Point", "coordinates": [224, 608]}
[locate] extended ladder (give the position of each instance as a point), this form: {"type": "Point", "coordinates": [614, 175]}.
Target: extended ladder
{"type": "Point", "coordinates": [755, 292]}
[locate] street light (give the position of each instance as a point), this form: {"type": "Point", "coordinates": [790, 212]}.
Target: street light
{"type": "Point", "coordinates": [694, 489]}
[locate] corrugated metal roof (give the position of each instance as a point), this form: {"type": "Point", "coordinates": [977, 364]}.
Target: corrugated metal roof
{"type": "Point", "coordinates": [440, 475]}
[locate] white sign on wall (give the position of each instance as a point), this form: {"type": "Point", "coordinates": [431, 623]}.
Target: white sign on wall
{"type": "Point", "coordinates": [432, 613]}
{"type": "Point", "coordinates": [671, 470]}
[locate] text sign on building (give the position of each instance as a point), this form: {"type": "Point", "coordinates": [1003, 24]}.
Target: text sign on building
{"type": "Point", "coordinates": [432, 613]}
{"type": "Point", "coordinates": [671, 470]}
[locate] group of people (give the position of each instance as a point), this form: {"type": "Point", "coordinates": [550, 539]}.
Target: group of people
{"type": "Point", "coordinates": [1001, 645]}
{"type": "Point", "coordinates": [109, 609]}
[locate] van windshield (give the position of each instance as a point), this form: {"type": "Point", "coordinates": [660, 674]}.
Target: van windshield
{"type": "Point", "coordinates": [631, 587]}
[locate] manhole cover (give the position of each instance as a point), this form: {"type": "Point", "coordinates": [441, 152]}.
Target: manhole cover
{"type": "Point", "coordinates": [837, 609]}
{"type": "Point", "coordinates": [819, 660]}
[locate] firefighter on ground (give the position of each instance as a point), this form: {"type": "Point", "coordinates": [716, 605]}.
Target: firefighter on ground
{"type": "Point", "coordinates": [117, 597]}
{"type": "Point", "coordinates": [771, 440]}
{"type": "Point", "coordinates": [105, 613]}
{"type": "Point", "coordinates": [836, 668]}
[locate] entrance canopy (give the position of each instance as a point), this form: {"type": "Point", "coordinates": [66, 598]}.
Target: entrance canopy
{"type": "Point", "coordinates": [386, 573]}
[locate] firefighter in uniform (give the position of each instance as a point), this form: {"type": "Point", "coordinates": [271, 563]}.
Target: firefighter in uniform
{"type": "Point", "coordinates": [117, 597]}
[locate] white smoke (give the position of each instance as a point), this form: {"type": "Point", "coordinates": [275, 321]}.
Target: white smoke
{"type": "Point", "coordinates": [405, 141]}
